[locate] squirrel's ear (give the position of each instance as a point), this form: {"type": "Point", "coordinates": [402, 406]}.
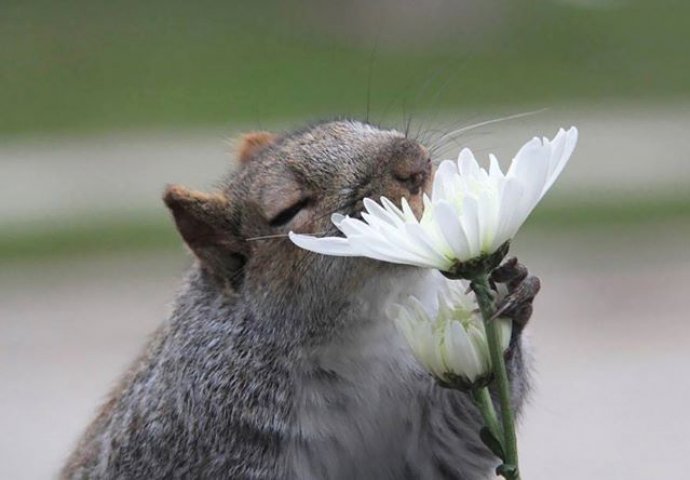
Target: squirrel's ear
{"type": "Point", "coordinates": [205, 223]}
{"type": "Point", "coordinates": [253, 142]}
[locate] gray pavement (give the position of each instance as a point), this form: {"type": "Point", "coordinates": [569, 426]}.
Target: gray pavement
{"type": "Point", "coordinates": [610, 336]}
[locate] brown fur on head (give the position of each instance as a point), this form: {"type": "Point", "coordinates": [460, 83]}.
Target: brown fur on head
{"type": "Point", "coordinates": [295, 182]}
{"type": "Point", "coordinates": [252, 143]}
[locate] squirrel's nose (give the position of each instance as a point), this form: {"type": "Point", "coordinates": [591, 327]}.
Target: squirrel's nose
{"type": "Point", "coordinates": [413, 171]}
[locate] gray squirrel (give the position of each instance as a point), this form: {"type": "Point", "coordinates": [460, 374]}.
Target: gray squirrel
{"type": "Point", "coordinates": [278, 363]}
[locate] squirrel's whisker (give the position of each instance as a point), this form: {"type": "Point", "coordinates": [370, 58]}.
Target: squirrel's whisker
{"type": "Point", "coordinates": [279, 235]}
{"type": "Point", "coordinates": [490, 122]}
{"type": "Point", "coordinates": [266, 237]}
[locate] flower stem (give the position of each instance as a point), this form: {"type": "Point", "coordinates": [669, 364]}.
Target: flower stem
{"type": "Point", "coordinates": [486, 406]}
{"type": "Point", "coordinates": [480, 286]}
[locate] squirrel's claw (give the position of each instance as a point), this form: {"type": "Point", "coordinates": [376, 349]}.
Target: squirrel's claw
{"type": "Point", "coordinates": [522, 288]}
{"type": "Point", "coordinates": [511, 273]}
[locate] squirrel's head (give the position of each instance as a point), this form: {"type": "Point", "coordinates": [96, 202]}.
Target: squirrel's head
{"type": "Point", "coordinates": [295, 182]}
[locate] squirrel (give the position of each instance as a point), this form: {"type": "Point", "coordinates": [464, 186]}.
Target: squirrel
{"type": "Point", "coordinates": [278, 363]}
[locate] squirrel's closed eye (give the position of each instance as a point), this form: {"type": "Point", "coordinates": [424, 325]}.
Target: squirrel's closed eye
{"type": "Point", "coordinates": [286, 215]}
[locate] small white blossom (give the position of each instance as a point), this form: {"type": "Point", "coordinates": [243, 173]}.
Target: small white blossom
{"type": "Point", "coordinates": [472, 212]}
{"type": "Point", "coordinates": [446, 332]}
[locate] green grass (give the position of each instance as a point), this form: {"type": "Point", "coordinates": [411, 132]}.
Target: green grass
{"type": "Point", "coordinates": [156, 233]}
{"type": "Point", "coordinates": [88, 65]}
{"type": "Point", "coordinates": [615, 213]}
{"type": "Point", "coordinates": [87, 236]}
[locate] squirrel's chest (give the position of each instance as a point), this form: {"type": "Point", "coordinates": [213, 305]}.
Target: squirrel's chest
{"type": "Point", "coordinates": [355, 407]}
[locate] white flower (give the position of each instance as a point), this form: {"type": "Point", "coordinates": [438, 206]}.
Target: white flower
{"type": "Point", "coordinates": [471, 212]}
{"type": "Point", "coordinates": [446, 333]}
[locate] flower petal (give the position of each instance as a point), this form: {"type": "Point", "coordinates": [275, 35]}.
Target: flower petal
{"type": "Point", "coordinates": [470, 225]}
{"type": "Point", "coordinates": [561, 157]}
{"type": "Point", "coordinates": [451, 229]}
{"type": "Point", "coordinates": [467, 164]}
{"type": "Point", "coordinates": [424, 246]}
{"type": "Point", "coordinates": [494, 168]}
{"type": "Point", "coordinates": [510, 214]}
{"type": "Point", "coordinates": [462, 355]}
{"type": "Point", "coordinates": [505, 328]}
{"type": "Point", "coordinates": [443, 180]}
{"type": "Point", "coordinates": [328, 245]}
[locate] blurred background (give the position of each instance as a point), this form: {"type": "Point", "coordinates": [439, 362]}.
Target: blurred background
{"type": "Point", "coordinates": [102, 104]}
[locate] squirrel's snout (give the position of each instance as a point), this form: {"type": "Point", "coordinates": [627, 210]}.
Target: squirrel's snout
{"type": "Point", "coordinates": [413, 172]}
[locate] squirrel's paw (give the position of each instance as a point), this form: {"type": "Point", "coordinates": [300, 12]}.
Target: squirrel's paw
{"type": "Point", "coordinates": [516, 290]}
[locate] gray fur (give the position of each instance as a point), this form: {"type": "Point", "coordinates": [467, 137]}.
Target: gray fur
{"type": "Point", "coordinates": [290, 370]}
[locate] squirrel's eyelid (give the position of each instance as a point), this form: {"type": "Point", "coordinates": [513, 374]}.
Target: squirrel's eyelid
{"type": "Point", "coordinates": [289, 213]}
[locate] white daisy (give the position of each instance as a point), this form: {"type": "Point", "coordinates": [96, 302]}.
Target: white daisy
{"type": "Point", "coordinates": [446, 333]}
{"type": "Point", "coordinates": [471, 214]}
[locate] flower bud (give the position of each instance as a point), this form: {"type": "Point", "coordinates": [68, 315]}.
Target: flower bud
{"type": "Point", "coordinates": [447, 336]}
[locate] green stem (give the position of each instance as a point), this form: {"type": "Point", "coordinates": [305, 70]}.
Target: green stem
{"type": "Point", "coordinates": [480, 286]}
{"type": "Point", "coordinates": [486, 406]}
